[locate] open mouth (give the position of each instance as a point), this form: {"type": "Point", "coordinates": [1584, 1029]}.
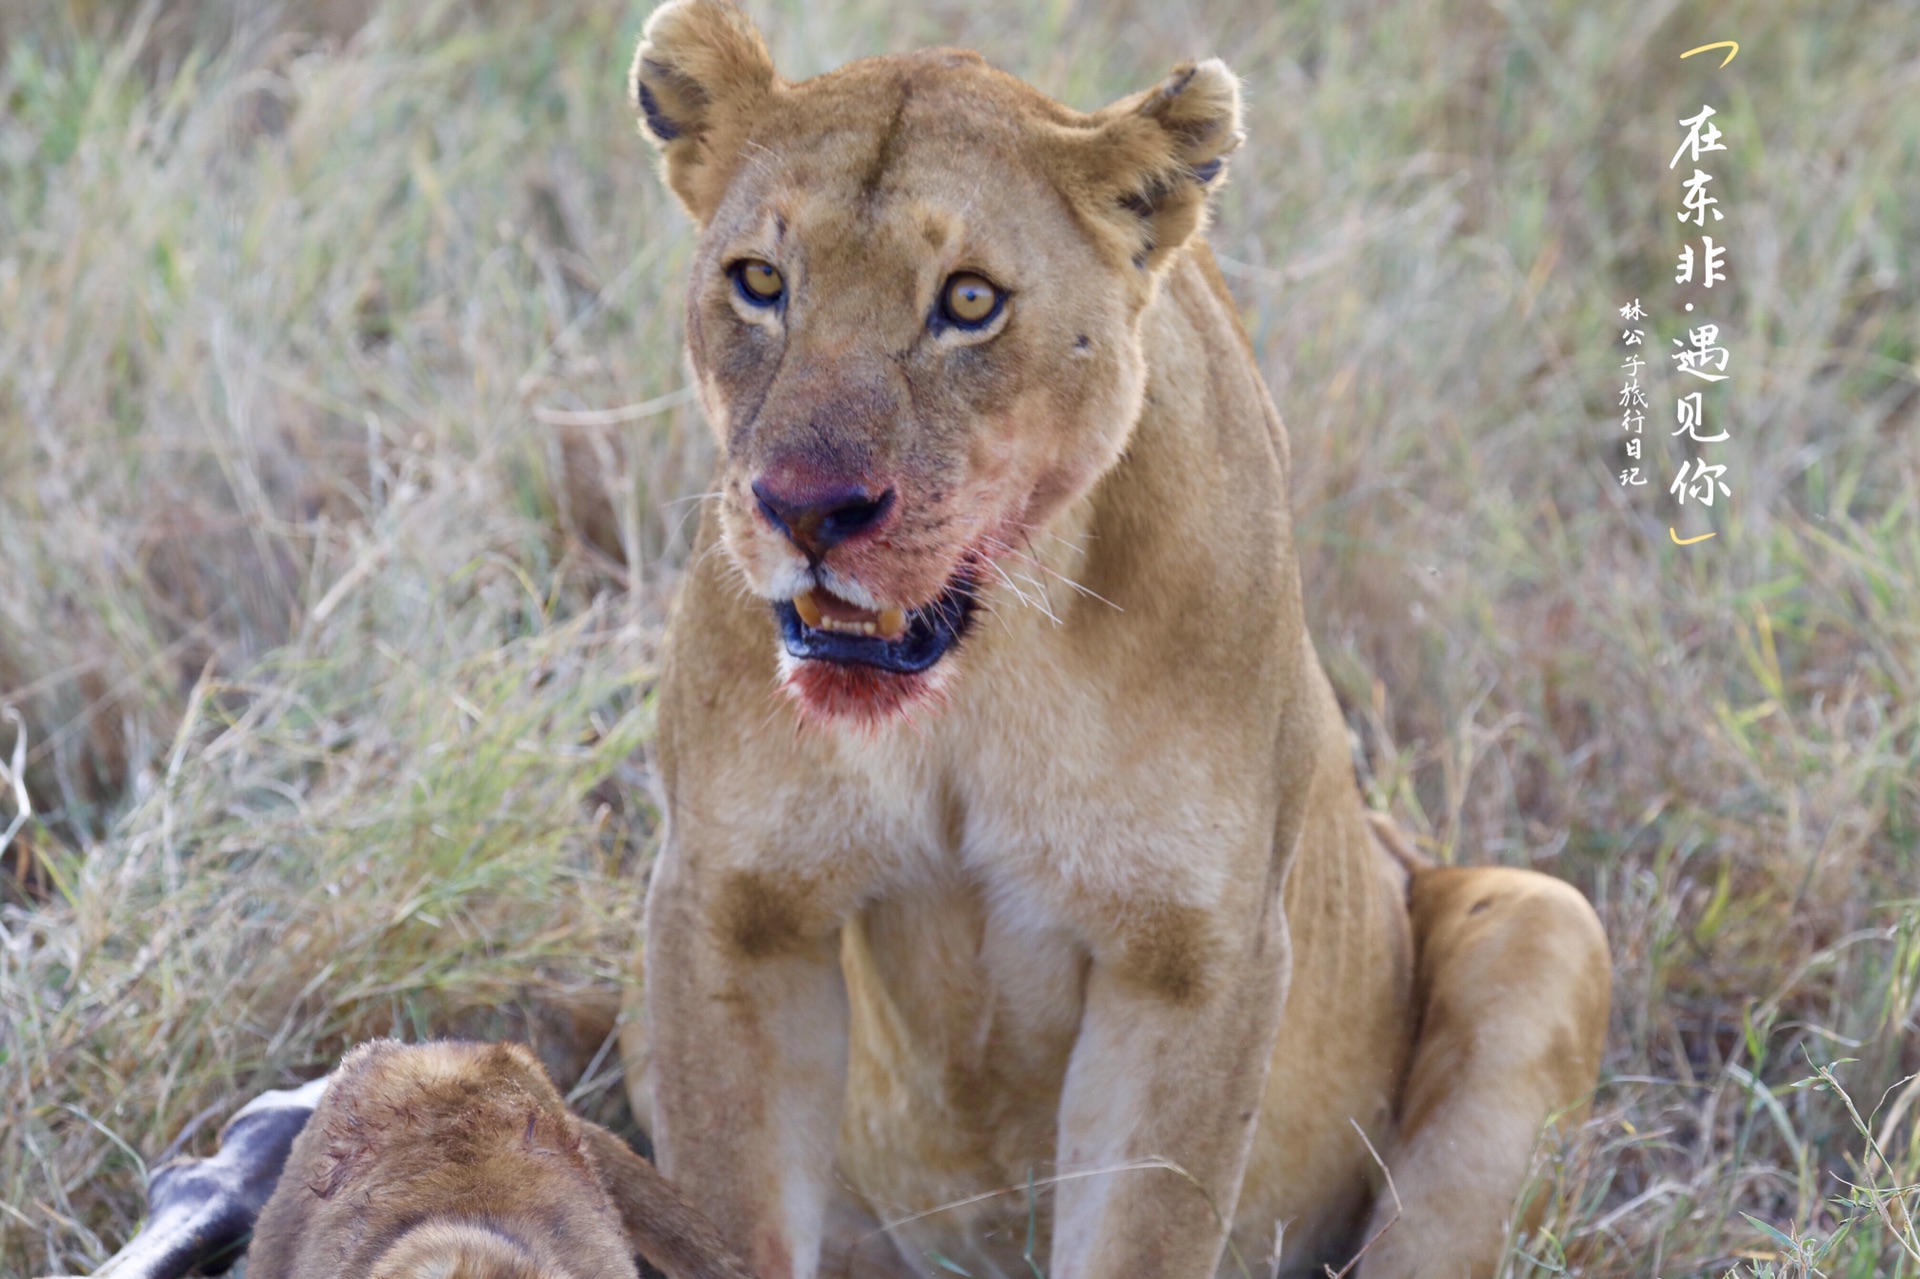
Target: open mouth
{"type": "Point", "coordinates": [818, 625]}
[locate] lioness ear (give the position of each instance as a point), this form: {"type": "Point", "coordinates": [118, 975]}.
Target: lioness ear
{"type": "Point", "coordinates": [700, 74]}
{"type": "Point", "coordinates": [1158, 155]}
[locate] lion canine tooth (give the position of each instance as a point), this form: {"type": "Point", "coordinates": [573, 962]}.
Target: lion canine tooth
{"type": "Point", "coordinates": [809, 611]}
{"type": "Point", "coordinates": [892, 624]}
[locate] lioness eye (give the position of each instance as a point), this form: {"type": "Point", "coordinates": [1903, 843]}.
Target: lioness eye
{"type": "Point", "coordinates": [759, 282]}
{"type": "Point", "coordinates": [969, 300]}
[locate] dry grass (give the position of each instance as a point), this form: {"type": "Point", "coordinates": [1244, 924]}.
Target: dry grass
{"type": "Point", "coordinates": [330, 629]}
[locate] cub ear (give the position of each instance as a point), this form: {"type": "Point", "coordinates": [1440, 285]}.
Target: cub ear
{"type": "Point", "coordinates": [1159, 154]}
{"type": "Point", "coordinates": [700, 75]}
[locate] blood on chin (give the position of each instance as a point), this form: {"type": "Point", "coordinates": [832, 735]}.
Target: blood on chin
{"type": "Point", "coordinates": [861, 696]}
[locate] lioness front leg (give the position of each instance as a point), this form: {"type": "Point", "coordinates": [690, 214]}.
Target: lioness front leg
{"type": "Point", "coordinates": [1170, 1063]}
{"type": "Point", "coordinates": [747, 1013]}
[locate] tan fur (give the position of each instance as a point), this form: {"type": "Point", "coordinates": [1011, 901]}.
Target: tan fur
{"type": "Point", "coordinates": [460, 1161]}
{"type": "Point", "coordinates": [1097, 893]}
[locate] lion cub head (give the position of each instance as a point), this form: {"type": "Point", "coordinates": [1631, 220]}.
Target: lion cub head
{"type": "Point", "coordinates": [452, 1160]}
{"type": "Point", "coordinates": [913, 320]}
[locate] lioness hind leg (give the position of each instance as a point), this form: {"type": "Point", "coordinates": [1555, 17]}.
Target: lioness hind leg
{"type": "Point", "coordinates": [1513, 983]}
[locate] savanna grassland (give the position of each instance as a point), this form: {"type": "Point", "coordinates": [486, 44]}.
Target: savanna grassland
{"type": "Point", "coordinates": [347, 466]}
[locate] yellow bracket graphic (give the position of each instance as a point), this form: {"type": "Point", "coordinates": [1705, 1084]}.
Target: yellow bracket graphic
{"type": "Point", "coordinates": [1689, 541]}
{"type": "Point", "coordinates": [1731, 46]}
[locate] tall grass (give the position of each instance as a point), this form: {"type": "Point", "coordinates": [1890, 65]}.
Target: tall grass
{"type": "Point", "coordinates": [345, 471]}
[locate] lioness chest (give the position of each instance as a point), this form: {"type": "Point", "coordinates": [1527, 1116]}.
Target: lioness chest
{"type": "Point", "coordinates": [1016, 846]}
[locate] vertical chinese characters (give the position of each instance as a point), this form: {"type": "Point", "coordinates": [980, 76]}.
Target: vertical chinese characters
{"type": "Point", "coordinates": [1700, 356]}
{"type": "Point", "coordinates": [1633, 397]}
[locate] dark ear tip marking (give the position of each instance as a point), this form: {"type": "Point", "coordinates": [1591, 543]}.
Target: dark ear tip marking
{"type": "Point", "coordinates": [657, 122]}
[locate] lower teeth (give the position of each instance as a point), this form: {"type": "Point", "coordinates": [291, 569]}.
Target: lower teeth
{"type": "Point", "coordinates": [890, 625]}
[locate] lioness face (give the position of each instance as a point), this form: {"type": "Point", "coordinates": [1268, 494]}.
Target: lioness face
{"type": "Point", "coordinates": [925, 363]}
{"type": "Point", "coordinates": [913, 324]}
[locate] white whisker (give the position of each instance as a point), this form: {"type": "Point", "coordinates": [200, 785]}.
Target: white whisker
{"type": "Point", "coordinates": [680, 527]}
{"type": "Point", "coordinates": [1056, 574]}
{"type": "Point", "coordinates": [1027, 557]}
{"type": "Point", "coordinates": [1046, 602]}
{"type": "Point", "coordinates": [1017, 592]}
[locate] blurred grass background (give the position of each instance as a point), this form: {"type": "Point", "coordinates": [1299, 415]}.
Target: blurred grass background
{"type": "Point", "coordinates": [345, 467]}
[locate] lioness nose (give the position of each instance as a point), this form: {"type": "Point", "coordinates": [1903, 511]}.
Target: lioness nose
{"type": "Point", "coordinates": [817, 522]}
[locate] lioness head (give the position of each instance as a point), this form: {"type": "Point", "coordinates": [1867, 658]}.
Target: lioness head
{"type": "Point", "coordinates": [913, 320]}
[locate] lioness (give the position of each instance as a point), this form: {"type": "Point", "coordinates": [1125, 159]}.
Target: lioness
{"type": "Point", "coordinates": [1012, 831]}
